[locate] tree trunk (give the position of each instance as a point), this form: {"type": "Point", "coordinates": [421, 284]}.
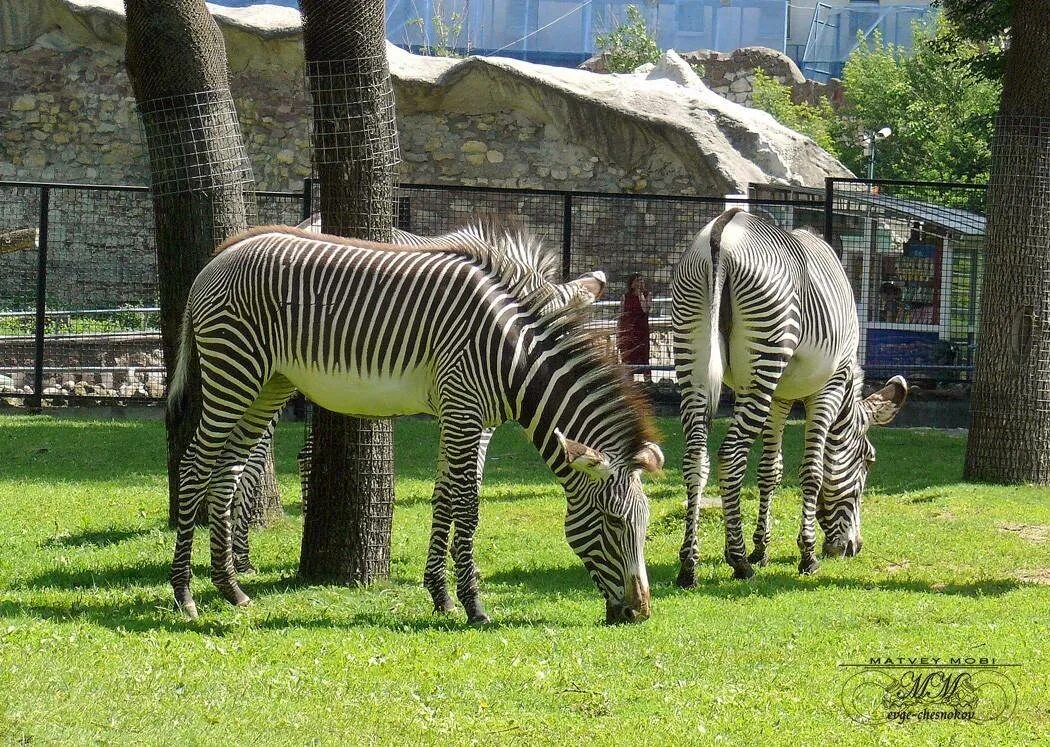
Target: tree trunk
{"type": "Point", "coordinates": [1010, 414]}
{"type": "Point", "coordinates": [202, 182]}
{"type": "Point", "coordinates": [346, 535]}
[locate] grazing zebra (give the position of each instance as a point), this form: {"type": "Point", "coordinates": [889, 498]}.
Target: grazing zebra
{"type": "Point", "coordinates": [379, 330]}
{"type": "Point", "coordinates": [771, 314]}
{"type": "Point", "coordinates": [523, 276]}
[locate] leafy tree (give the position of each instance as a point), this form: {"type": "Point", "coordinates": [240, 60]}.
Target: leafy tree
{"type": "Point", "coordinates": [630, 44]}
{"type": "Point", "coordinates": [940, 110]}
{"type": "Point", "coordinates": [940, 107]}
{"type": "Point", "coordinates": [986, 23]}
{"type": "Point", "coordinates": [818, 122]}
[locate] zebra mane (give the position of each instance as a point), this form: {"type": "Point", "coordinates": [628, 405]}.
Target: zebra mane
{"type": "Point", "coordinates": [631, 425]}
{"type": "Point", "coordinates": [509, 251]}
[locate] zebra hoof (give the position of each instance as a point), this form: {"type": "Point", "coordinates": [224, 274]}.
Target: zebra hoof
{"type": "Point", "coordinates": [244, 567]}
{"type": "Point", "coordinates": [476, 613]}
{"type": "Point", "coordinates": [232, 593]}
{"type": "Point", "coordinates": [686, 578]}
{"type": "Point", "coordinates": [184, 603]}
{"type": "Point", "coordinates": [742, 570]}
{"type": "Point", "coordinates": [759, 556]}
{"type": "Point", "coordinates": [808, 565]}
{"type": "Point", "coordinates": [444, 606]}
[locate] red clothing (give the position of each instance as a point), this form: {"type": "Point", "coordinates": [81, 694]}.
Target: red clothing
{"type": "Point", "coordinates": [632, 331]}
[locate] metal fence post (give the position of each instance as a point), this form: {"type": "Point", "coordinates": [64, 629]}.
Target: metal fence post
{"type": "Point", "coordinates": [41, 302]}
{"type": "Point", "coordinates": [308, 197]}
{"type": "Point", "coordinates": [566, 236]}
{"type": "Point", "coordinates": [829, 212]}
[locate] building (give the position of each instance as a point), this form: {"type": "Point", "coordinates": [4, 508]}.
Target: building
{"type": "Point", "coordinates": [818, 35]}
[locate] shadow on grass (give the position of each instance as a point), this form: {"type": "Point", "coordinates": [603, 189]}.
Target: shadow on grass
{"type": "Point", "coordinates": [98, 537]}
{"type": "Point", "coordinates": [767, 582]}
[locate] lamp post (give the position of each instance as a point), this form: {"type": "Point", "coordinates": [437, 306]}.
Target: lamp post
{"type": "Point", "coordinates": [870, 138]}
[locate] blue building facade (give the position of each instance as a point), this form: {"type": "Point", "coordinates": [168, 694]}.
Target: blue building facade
{"type": "Point", "coordinates": [818, 35]}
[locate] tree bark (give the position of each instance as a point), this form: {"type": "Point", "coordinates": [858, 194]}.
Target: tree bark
{"type": "Point", "coordinates": [1010, 413]}
{"type": "Point", "coordinates": [346, 534]}
{"type": "Point", "coordinates": [202, 182]}
{"type": "Point", "coordinates": [265, 507]}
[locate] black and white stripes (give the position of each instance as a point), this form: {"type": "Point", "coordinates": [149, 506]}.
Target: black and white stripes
{"type": "Point", "coordinates": [771, 314]}
{"type": "Point", "coordinates": [381, 330]}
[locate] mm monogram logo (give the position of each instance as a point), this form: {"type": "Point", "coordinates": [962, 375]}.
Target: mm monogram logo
{"type": "Point", "coordinates": [879, 693]}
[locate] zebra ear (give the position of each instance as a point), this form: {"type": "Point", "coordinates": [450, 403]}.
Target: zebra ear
{"type": "Point", "coordinates": [583, 458]}
{"type": "Point", "coordinates": [882, 406]}
{"type": "Point", "coordinates": [593, 282]}
{"type": "Point", "coordinates": [650, 457]}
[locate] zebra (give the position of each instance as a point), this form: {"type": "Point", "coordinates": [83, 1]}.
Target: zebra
{"type": "Point", "coordinates": [278, 309]}
{"type": "Point", "coordinates": [524, 277]}
{"type": "Point", "coordinates": [786, 330]}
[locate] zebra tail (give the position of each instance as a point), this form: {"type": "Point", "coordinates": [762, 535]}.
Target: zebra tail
{"type": "Point", "coordinates": [719, 320]}
{"type": "Point", "coordinates": [713, 384]}
{"type": "Point", "coordinates": [178, 396]}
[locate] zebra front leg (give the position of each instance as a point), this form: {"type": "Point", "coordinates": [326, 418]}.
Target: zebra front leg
{"type": "Point", "coordinates": [193, 488]}
{"type": "Point", "coordinates": [770, 474]}
{"type": "Point", "coordinates": [696, 466]}
{"type": "Point", "coordinates": [461, 438]}
{"type": "Point", "coordinates": [821, 410]}
{"type": "Point", "coordinates": [749, 416]}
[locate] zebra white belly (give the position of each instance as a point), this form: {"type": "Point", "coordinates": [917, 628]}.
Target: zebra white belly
{"type": "Point", "coordinates": [367, 395]}
{"type": "Point", "coordinates": [807, 372]}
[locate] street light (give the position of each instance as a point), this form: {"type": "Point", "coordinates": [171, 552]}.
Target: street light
{"type": "Point", "coordinates": [870, 138]}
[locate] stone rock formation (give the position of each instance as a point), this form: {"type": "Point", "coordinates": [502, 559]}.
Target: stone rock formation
{"type": "Point", "coordinates": [67, 113]}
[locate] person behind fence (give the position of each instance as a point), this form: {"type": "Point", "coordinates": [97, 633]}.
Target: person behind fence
{"type": "Point", "coordinates": [632, 328]}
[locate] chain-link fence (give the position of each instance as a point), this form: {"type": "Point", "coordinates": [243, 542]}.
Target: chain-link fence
{"type": "Point", "coordinates": [79, 320]}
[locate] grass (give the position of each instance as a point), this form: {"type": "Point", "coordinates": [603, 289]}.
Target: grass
{"type": "Point", "coordinates": [91, 652]}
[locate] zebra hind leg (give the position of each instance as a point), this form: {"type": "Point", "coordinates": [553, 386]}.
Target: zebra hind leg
{"type": "Point", "coordinates": [696, 467]}
{"type": "Point", "coordinates": [195, 477]}
{"type": "Point", "coordinates": [252, 428]}
{"type": "Point", "coordinates": [770, 474]}
{"type": "Point", "coordinates": [246, 492]}
{"type": "Point", "coordinates": [821, 409]}
{"type": "Point", "coordinates": [748, 418]}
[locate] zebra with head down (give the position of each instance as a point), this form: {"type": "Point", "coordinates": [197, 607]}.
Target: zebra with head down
{"type": "Point", "coordinates": [771, 314]}
{"type": "Point", "coordinates": [524, 270]}
{"type": "Point", "coordinates": [279, 309]}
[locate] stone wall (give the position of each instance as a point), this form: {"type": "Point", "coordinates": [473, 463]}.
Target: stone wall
{"type": "Point", "coordinates": [67, 113]}
{"type": "Point", "coordinates": [732, 74]}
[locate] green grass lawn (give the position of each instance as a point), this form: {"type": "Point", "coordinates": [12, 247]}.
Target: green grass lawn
{"type": "Point", "coordinates": [90, 650]}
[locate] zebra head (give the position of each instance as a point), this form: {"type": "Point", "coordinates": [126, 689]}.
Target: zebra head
{"type": "Point", "coordinates": [606, 521]}
{"type": "Point", "coordinates": [848, 456]}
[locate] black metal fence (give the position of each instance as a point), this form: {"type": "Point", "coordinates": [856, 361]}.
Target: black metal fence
{"type": "Point", "coordinates": [79, 320]}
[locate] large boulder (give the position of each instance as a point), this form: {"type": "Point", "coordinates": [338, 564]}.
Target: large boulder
{"type": "Point", "coordinates": [666, 115]}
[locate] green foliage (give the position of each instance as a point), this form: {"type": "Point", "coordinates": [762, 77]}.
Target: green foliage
{"type": "Point", "coordinates": [630, 44]}
{"type": "Point", "coordinates": [820, 123]}
{"type": "Point", "coordinates": [91, 652]}
{"type": "Point", "coordinates": [447, 29]}
{"type": "Point", "coordinates": [941, 113]}
{"type": "Point", "coordinates": [940, 107]}
{"type": "Point", "coordinates": [985, 23]}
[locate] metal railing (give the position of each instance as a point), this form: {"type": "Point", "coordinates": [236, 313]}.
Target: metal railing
{"type": "Point", "coordinates": [81, 307]}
